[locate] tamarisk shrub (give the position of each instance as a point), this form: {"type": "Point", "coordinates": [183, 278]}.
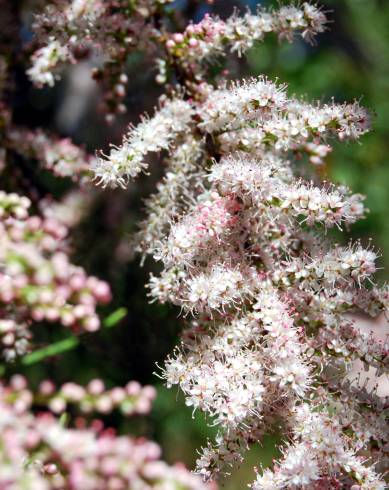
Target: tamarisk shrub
{"type": "Point", "coordinates": [269, 343]}
{"type": "Point", "coordinates": [239, 237]}
{"type": "Point", "coordinates": [49, 436]}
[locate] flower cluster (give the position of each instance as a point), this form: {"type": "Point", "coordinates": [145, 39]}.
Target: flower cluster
{"type": "Point", "coordinates": [75, 30]}
{"type": "Point", "coordinates": [45, 60]}
{"type": "Point", "coordinates": [241, 238]}
{"type": "Point", "coordinates": [58, 155]}
{"type": "Point", "coordinates": [272, 342]}
{"type": "Point", "coordinates": [38, 281]}
{"type": "Point", "coordinates": [38, 451]}
{"type": "Point", "coordinates": [203, 42]}
{"type": "Point", "coordinates": [151, 135]}
{"type": "Point", "coordinates": [319, 457]}
{"type": "Point", "coordinates": [108, 30]}
{"type": "Point", "coordinates": [254, 117]}
{"type": "Point", "coordinates": [94, 398]}
{"type": "Point", "coordinates": [50, 437]}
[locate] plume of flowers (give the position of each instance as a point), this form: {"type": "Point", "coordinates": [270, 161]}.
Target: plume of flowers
{"type": "Point", "coordinates": [269, 342]}
{"type": "Point", "coordinates": [244, 256]}
{"type": "Point", "coordinates": [151, 135]}
{"type": "Point", "coordinates": [72, 30]}
{"type": "Point", "coordinates": [200, 44]}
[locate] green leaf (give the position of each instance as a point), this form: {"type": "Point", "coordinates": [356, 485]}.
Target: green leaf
{"type": "Point", "coordinates": [64, 419]}
{"type": "Point", "coordinates": [50, 350]}
{"type": "Point", "coordinates": [70, 342]}
{"type": "Point", "coordinates": [114, 318]}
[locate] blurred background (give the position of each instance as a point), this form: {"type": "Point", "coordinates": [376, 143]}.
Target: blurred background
{"type": "Point", "coordinates": [350, 61]}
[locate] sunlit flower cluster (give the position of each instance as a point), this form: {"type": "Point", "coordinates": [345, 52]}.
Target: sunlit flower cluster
{"type": "Point", "coordinates": [270, 342]}
{"type": "Point", "coordinates": [203, 42]}
{"type": "Point", "coordinates": [151, 135]}
{"type": "Point", "coordinates": [241, 237]}
{"type": "Point", "coordinates": [104, 31]}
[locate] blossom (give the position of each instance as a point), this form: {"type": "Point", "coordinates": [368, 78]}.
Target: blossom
{"type": "Point", "coordinates": [212, 37]}
{"type": "Point", "coordinates": [209, 223]}
{"type": "Point", "coordinates": [45, 61]}
{"type": "Point", "coordinates": [58, 155]}
{"type": "Point", "coordinates": [151, 135]}
{"type": "Point", "coordinates": [38, 280]}
{"type": "Point", "coordinates": [221, 287]}
{"type": "Point", "coordinates": [38, 451]}
{"type": "Point", "coordinates": [240, 232]}
{"type": "Point", "coordinates": [225, 108]}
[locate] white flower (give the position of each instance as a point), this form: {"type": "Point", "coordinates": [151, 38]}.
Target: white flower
{"type": "Point", "coordinates": [127, 161]}
{"type": "Point", "coordinates": [45, 61]}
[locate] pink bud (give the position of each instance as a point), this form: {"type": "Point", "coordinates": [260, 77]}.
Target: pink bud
{"type": "Point", "coordinates": [18, 382]}
{"type": "Point", "coordinates": [120, 90]}
{"type": "Point", "coordinates": [57, 405]}
{"type": "Point", "coordinates": [117, 394]}
{"type": "Point", "coordinates": [96, 387]}
{"type": "Point", "coordinates": [178, 37]}
{"type": "Point", "coordinates": [33, 438]}
{"type": "Point", "coordinates": [123, 78]}
{"type": "Point", "coordinates": [8, 339]}
{"type": "Point", "coordinates": [52, 314]}
{"type": "Point", "coordinates": [34, 223]}
{"type": "Point", "coordinates": [149, 392]}
{"type": "Point", "coordinates": [193, 43]}
{"type": "Point", "coordinates": [79, 311]}
{"type": "Point", "coordinates": [104, 404]}
{"type": "Point", "coordinates": [77, 282]}
{"type": "Point", "coordinates": [133, 388]}
{"type": "Point", "coordinates": [143, 406]}
{"type": "Point", "coordinates": [67, 318]}
{"type": "Point", "coordinates": [46, 387]}
{"type": "Point", "coordinates": [50, 469]}
{"type": "Point", "coordinates": [109, 118]}
{"type": "Point", "coordinates": [37, 314]}
{"type": "Point", "coordinates": [102, 291]}
{"type": "Point", "coordinates": [91, 324]}
{"type": "Point", "coordinates": [87, 300]}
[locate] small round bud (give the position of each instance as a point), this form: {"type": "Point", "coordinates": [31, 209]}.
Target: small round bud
{"type": "Point", "coordinates": [50, 469]}
{"type": "Point", "coordinates": [178, 38]}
